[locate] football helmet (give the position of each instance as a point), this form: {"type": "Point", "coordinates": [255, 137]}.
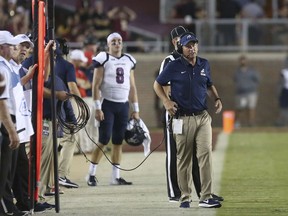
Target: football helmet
{"type": "Point", "coordinates": [134, 134]}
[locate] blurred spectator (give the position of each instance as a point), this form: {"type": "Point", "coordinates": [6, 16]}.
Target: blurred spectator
{"type": "Point", "coordinates": [90, 49]}
{"type": "Point", "coordinates": [184, 9]}
{"type": "Point", "coordinates": [20, 21]}
{"type": "Point", "coordinates": [78, 59]}
{"type": "Point", "coordinates": [227, 9]}
{"type": "Point", "coordinates": [3, 15]}
{"type": "Point", "coordinates": [253, 11]}
{"type": "Point", "coordinates": [283, 97]}
{"type": "Point", "coordinates": [101, 21]}
{"type": "Point", "coordinates": [280, 32]}
{"type": "Point", "coordinates": [246, 80]}
{"type": "Point", "coordinates": [139, 46]}
{"type": "Point", "coordinates": [120, 18]}
{"type": "Point", "coordinates": [188, 11]}
{"type": "Point", "coordinates": [64, 29]}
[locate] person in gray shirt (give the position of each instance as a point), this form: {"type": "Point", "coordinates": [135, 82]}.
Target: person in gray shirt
{"type": "Point", "coordinates": [246, 81]}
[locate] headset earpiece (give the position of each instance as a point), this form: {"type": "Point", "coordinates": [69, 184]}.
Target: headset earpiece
{"type": "Point", "coordinates": [63, 46]}
{"type": "Point", "coordinates": [179, 47]}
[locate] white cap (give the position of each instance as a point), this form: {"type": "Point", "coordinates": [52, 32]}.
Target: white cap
{"type": "Point", "coordinates": [7, 38]}
{"type": "Point", "coordinates": [112, 36]}
{"type": "Point", "coordinates": [78, 55]}
{"type": "Point", "coordinates": [21, 38]}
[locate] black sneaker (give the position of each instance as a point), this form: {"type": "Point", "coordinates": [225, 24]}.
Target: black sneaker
{"type": "Point", "coordinates": [91, 181]}
{"type": "Point", "coordinates": [218, 198]}
{"type": "Point", "coordinates": [46, 205]}
{"type": "Point", "coordinates": [120, 181]}
{"type": "Point", "coordinates": [185, 204]}
{"type": "Point", "coordinates": [210, 203]}
{"type": "Point", "coordinates": [39, 208]}
{"type": "Point", "coordinates": [67, 183]}
{"type": "Point", "coordinates": [7, 207]}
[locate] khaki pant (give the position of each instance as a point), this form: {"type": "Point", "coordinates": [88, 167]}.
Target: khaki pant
{"type": "Point", "coordinates": [47, 168]}
{"type": "Point", "coordinates": [68, 143]}
{"type": "Point", "coordinates": [197, 132]}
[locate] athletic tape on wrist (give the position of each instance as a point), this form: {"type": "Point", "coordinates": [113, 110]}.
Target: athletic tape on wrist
{"type": "Point", "coordinates": [135, 107]}
{"type": "Point", "coordinates": [97, 105]}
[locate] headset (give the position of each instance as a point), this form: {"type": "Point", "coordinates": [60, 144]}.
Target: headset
{"type": "Point", "coordinates": [179, 45]}
{"type": "Point", "coordinates": [63, 46]}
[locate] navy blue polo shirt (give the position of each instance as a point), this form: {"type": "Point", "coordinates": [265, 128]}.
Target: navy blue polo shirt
{"type": "Point", "coordinates": [65, 70]}
{"type": "Point", "coordinates": [67, 111]}
{"type": "Point", "coordinates": [59, 86]}
{"type": "Point", "coordinates": [188, 83]}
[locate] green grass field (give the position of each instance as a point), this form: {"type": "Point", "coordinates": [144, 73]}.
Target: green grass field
{"type": "Point", "coordinates": [255, 175]}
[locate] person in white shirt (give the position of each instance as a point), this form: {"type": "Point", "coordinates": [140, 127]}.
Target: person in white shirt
{"type": "Point", "coordinates": [10, 138]}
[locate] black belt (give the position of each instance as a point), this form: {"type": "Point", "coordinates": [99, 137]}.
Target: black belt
{"type": "Point", "coordinates": [182, 113]}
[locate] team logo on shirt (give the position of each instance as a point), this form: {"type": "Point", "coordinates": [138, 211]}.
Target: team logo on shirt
{"type": "Point", "coordinates": [202, 72]}
{"type": "Point", "coordinates": [23, 108]}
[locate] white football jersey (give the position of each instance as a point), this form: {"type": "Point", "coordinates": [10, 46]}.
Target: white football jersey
{"type": "Point", "coordinates": [116, 80]}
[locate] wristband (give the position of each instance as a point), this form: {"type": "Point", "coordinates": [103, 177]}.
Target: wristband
{"type": "Point", "coordinates": [218, 98]}
{"type": "Point", "coordinates": [135, 107]}
{"type": "Point", "coordinates": [97, 105]}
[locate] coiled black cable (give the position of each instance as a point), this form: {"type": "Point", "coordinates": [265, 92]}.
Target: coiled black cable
{"type": "Point", "coordinates": [70, 126]}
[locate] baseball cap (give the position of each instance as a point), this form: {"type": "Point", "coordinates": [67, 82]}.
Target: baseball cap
{"type": "Point", "coordinates": [112, 36]}
{"type": "Point", "coordinates": [178, 31]}
{"type": "Point", "coordinates": [7, 38]}
{"type": "Point", "coordinates": [21, 38]}
{"type": "Point", "coordinates": [78, 55]}
{"type": "Point", "coordinates": [188, 38]}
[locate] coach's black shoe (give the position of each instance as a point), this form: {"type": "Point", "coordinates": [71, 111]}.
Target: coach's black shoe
{"type": "Point", "coordinates": [185, 204]}
{"type": "Point", "coordinates": [216, 197]}
{"type": "Point", "coordinates": [45, 205]}
{"type": "Point", "coordinates": [120, 181]}
{"type": "Point", "coordinates": [210, 203]}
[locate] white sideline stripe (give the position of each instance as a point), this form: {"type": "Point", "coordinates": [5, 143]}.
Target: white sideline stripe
{"type": "Point", "coordinates": [218, 160]}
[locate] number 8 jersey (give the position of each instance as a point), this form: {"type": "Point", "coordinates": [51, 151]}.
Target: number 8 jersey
{"type": "Point", "coordinates": [116, 79]}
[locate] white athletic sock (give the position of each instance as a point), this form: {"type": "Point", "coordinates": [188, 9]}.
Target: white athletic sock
{"type": "Point", "coordinates": [92, 169]}
{"type": "Point", "coordinates": [115, 171]}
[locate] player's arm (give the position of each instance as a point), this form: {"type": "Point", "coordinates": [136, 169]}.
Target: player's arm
{"type": "Point", "coordinates": [169, 105]}
{"type": "Point", "coordinates": [9, 125]}
{"type": "Point", "coordinates": [97, 81]}
{"type": "Point", "coordinates": [25, 79]}
{"type": "Point", "coordinates": [133, 97]}
{"type": "Point", "coordinates": [60, 95]}
{"type": "Point", "coordinates": [213, 93]}
{"type": "Point", "coordinates": [73, 88]}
